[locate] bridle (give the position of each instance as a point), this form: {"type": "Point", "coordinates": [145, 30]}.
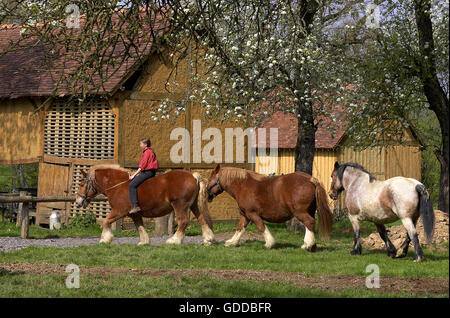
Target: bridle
{"type": "Point", "coordinates": [87, 188]}
{"type": "Point", "coordinates": [220, 190]}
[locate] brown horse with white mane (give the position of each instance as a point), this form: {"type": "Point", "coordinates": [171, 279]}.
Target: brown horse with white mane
{"type": "Point", "coordinates": [177, 190]}
{"type": "Point", "coordinates": [273, 199]}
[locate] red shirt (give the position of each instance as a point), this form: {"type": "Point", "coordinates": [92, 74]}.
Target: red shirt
{"type": "Point", "coordinates": [148, 160]}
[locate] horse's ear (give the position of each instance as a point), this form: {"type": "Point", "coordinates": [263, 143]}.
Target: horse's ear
{"type": "Point", "coordinates": [336, 165]}
{"type": "Point", "coordinates": [83, 173]}
{"type": "Point", "coordinates": [216, 170]}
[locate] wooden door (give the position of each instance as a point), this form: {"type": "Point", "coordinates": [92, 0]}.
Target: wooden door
{"type": "Point", "coordinates": [53, 181]}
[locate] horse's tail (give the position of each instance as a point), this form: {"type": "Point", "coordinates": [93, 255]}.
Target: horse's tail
{"type": "Point", "coordinates": [202, 199]}
{"type": "Point", "coordinates": [426, 212]}
{"type": "Point", "coordinates": [323, 209]}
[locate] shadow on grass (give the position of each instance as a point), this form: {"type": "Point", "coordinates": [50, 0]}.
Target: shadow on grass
{"type": "Point", "coordinates": [280, 246]}
{"type": "Point", "coordinates": [4, 273]}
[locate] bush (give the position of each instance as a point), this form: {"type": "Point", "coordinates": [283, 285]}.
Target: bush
{"type": "Point", "coordinates": [83, 220]}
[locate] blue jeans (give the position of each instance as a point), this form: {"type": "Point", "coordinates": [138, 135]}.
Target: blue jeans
{"type": "Point", "coordinates": [141, 177]}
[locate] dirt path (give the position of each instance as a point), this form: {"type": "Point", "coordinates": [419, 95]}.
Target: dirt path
{"type": "Point", "coordinates": [326, 282]}
{"type": "Point", "coordinates": [9, 244]}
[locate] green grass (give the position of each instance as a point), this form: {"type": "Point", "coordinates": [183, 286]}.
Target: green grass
{"type": "Point", "coordinates": [32, 285]}
{"type": "Point", "coordinates": [7, 173]}
{"type": "Point", "coordinates": [332, 256]}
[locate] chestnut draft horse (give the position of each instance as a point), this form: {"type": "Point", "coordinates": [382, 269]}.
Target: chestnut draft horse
{"type": "Point", "coordinates": [273, 199]}
{"type": "Point", "coordinates": [177, 190]}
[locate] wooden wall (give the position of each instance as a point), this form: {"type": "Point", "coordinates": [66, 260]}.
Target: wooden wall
{"type": "Point", "coordinates": [403, 161]}
{"type": "Point", "coordinates": [75, 137]}
{"type": "Point", "coordinates": [21, 138]}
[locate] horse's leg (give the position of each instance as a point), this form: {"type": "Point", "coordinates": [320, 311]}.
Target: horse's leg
{"type": "Point", "coordinates": [357, 249]}
{"type": "Point", "coordinates": [409, 225]}
{"type": "Point", "coordinates": [234, 241]}
{"type": "Point", "coordinates": [403, 250]}
{"type": "Point", "coordinates": [182, 214]}
{"type": "Point", "coordinates": [309, 241]}
{"type": "Point", "coordinates": [143, 235]}
{"type": "Point", "coordinates": [270, 241]}
{"type": "Point", "coordinates": [207, 233]}
{"type": "Point", "coordinates": [107, 235]}
{"type": "Point", "coordinates": [390, 248]}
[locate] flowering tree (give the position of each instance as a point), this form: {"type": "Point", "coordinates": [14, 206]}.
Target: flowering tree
{"type": "Point", "coordinates": [253, 58]}
{"type": "Point", "coordinates": [400, 66]}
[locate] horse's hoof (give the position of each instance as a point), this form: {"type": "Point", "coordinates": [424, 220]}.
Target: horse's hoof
{"type": "Point", "coordinates": [207, 243]}
{"type": "Point", "coordinates": [230, 243]}
{"type": "Point", "coordinates": [173, 242]}
{"type": "Point", "coordinates": [355, 252]}
{"type": "Point", "coordinates": [392, 253]}
{"type": "Point", "coordinates": [400, 254]}
{"type": "Point", "coordinates": [418, 259]}
{"type": "Point", "coordinates": [311, 248]}
{"type": "Point", "coordinates": [269, 245]}
{"type": "Point", "coordinates": [143, 243]}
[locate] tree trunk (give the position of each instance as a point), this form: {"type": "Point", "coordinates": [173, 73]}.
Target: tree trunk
{"type": "Point", "coordinates": [306, 140]}
{"type": "Point", "coordinates": [21, 176]}
{"type": "Point", "coordinates": [294, 225]}
{"type": "Point", "coordinates": [434, 93]}
{"type": "Point", "coordinates": [161, 226]}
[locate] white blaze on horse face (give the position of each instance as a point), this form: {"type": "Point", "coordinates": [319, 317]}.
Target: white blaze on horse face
{"type": "Point", "coordinates": [78, 200]}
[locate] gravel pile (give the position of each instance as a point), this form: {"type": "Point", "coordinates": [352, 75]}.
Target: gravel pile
{"type": "Point", "coordinates": [397, 234]}
{"type": "Point", "coordinates": [9, 244]}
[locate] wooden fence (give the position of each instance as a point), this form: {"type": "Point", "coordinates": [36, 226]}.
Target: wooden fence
{"type": "Point", "coordinates": [24, 200]}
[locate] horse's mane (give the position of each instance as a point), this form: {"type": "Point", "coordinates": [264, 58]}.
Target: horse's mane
{"type": "Point", "coordinates": [229, 174]}
{"type": "Point", "coordinates": [341, 169]}
{"type": "Point", "coordinates": [108, 166]}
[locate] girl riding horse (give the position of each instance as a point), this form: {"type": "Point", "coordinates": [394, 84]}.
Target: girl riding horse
{"type": "Point", "coordinates": [148, 166]}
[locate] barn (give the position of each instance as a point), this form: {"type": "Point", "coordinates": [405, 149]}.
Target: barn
{"type": "Point", "coordinates": [65, 137]}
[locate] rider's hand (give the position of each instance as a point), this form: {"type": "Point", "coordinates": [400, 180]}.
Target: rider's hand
{"type": "Point", "coordinates": [131, 177]}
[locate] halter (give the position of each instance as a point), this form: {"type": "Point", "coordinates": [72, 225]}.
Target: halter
{"type": "Point", "coordinates": [212, 186]}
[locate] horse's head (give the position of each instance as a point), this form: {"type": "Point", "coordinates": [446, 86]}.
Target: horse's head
{"type": "Point", "coordinates": [214, 188]}
{"type": "Point", "coordinates": [86, 190]}
{"type": "Point", "coordinates": [336, 184]}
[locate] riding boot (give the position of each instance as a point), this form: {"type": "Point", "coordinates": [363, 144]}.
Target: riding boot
{"type": "Point", "coordinates": [135, 209]}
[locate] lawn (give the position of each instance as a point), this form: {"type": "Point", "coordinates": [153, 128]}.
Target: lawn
{"type": "Point", "coordinates": [332, 258]}
{"type": "Point", "coordinates": [26, 285]}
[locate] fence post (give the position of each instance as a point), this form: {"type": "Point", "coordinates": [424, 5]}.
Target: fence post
{"type": "Point", "coordinates": [25, 220]}
{"type": "Point", "coordinates": [19, 210]}
{"type": "Point", "coordinates": [161, 225]}
{"type": "Point", "coordinates": [117, 226]}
